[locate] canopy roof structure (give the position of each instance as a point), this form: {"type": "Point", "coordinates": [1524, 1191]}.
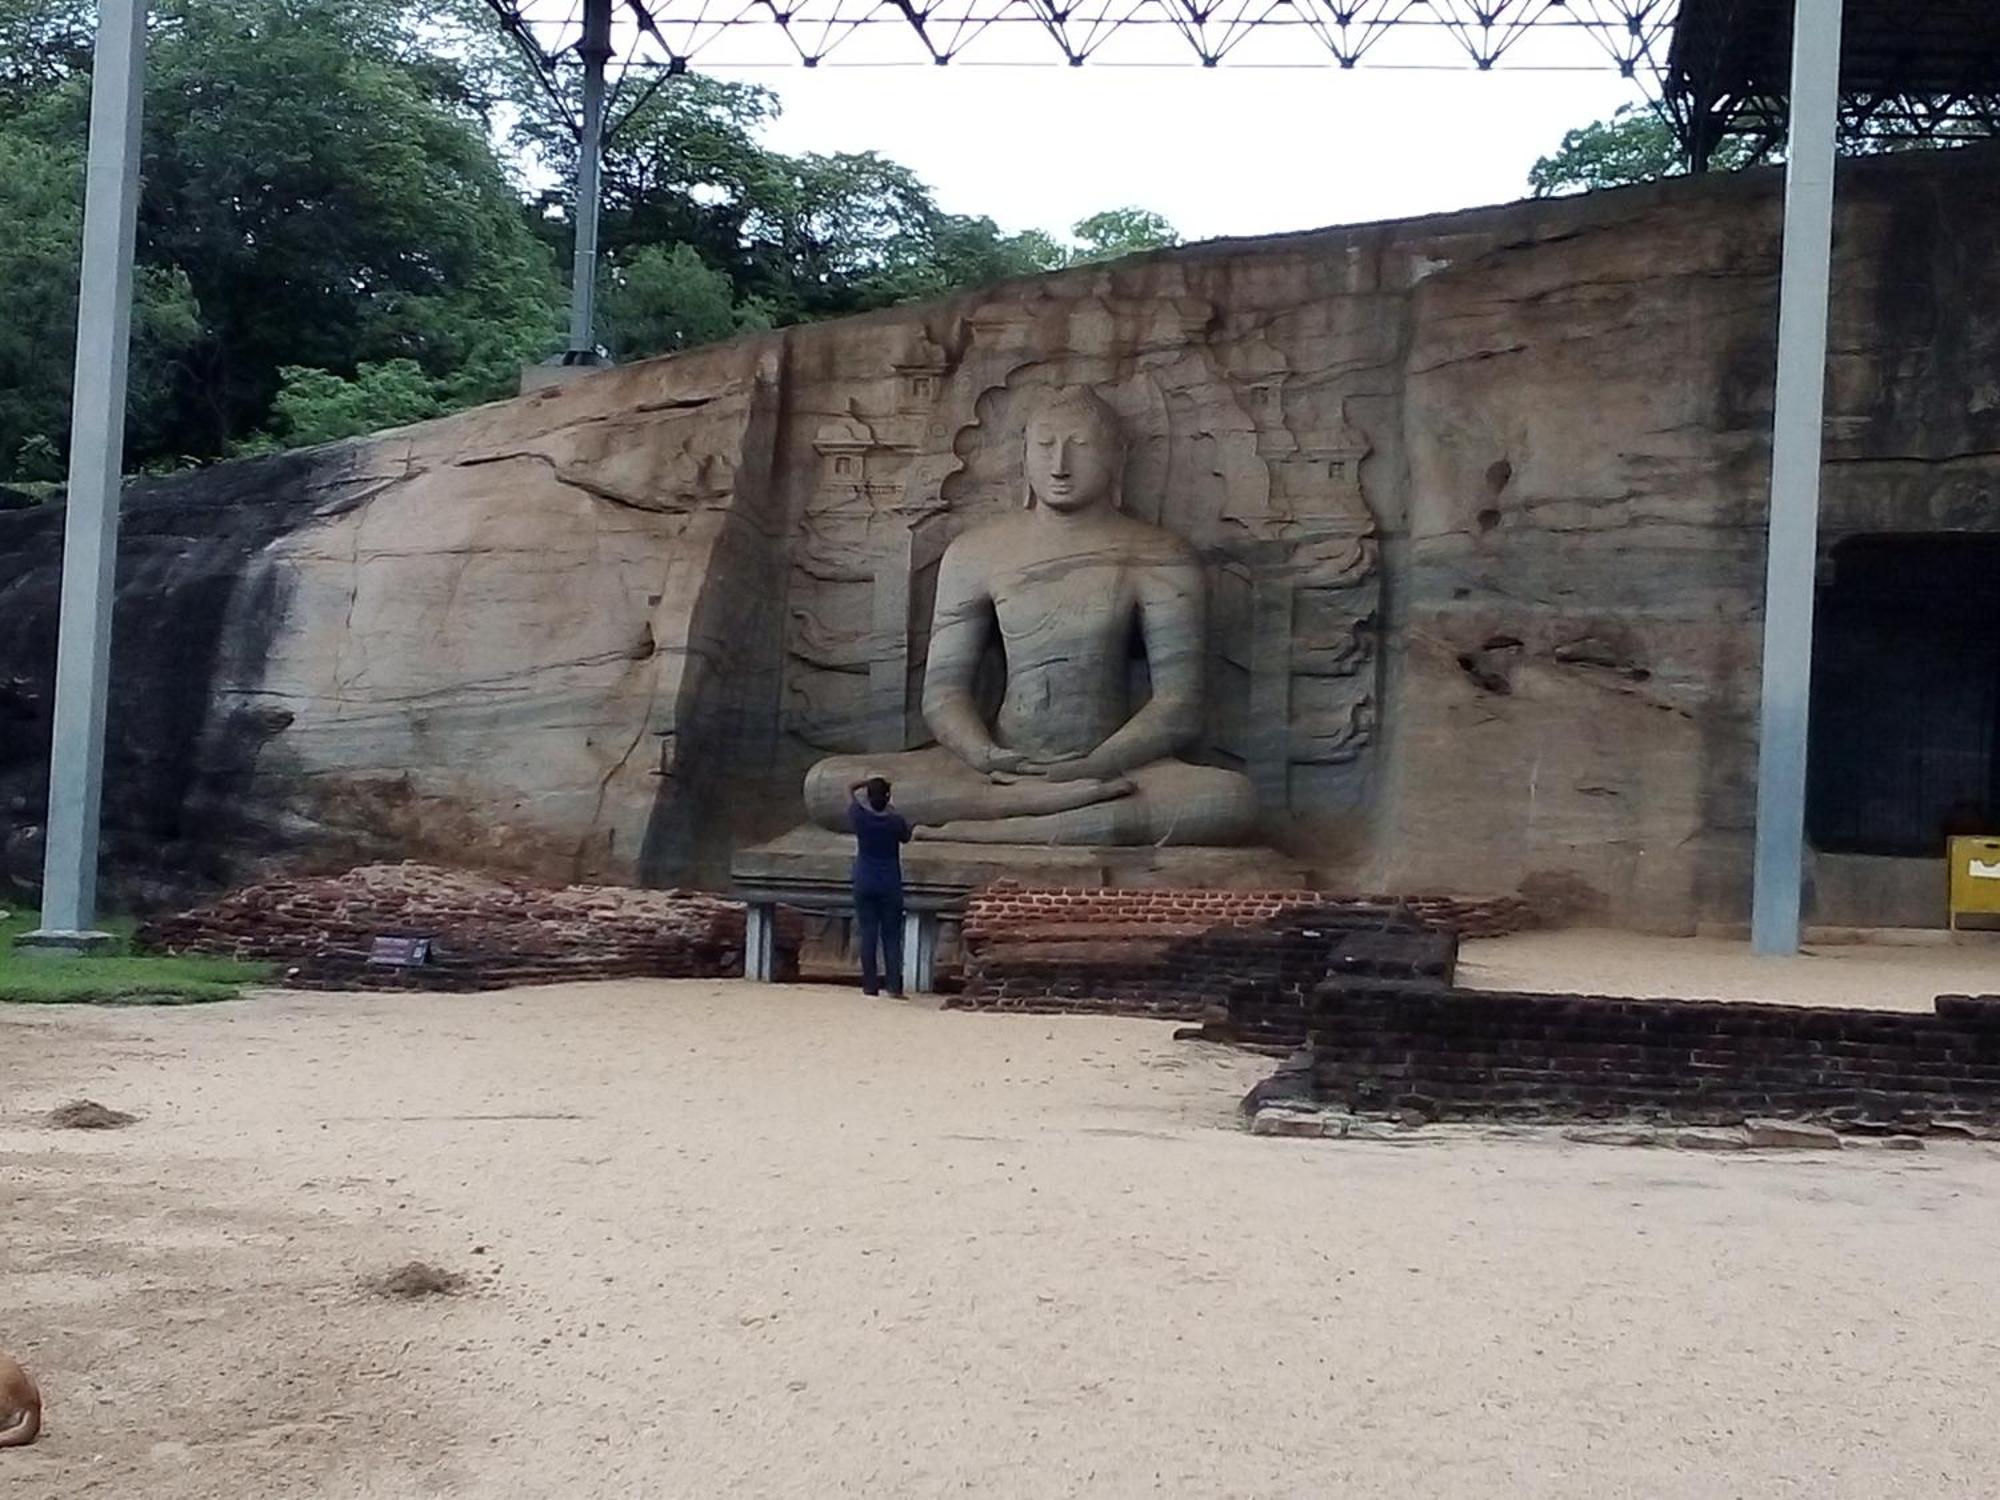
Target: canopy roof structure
{"type": "Point", "coordinates": [1343, 33]}
{"type": "Point", "coordinates": [1774, 69]}
{"type": "Point", "coordinates": [1924, 70]}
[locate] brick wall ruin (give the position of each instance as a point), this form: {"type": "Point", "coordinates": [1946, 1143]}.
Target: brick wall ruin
{"type": "Point", "coordinates": [1377, 1046]}
{"type": "Point", "coordinates": [1179, 953]}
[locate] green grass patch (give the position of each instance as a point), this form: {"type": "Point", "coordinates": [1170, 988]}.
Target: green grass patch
{"type": "Point", "coordinates": [117, 977]}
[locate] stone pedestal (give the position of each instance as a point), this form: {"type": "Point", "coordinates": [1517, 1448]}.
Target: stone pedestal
{"type": "Point", "coordinates": [811, 869]}
{"type": "Point", "coordinates": [812, 861]}
{"type": "Point", "coordinates": [52, 943]}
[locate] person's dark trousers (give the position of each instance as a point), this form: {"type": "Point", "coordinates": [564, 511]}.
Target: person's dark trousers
{"type": "Point", "coordinates": [878, 918]}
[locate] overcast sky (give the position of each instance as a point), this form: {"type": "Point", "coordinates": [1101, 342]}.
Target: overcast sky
{"type": "Point", "coordinates": [1219, 151]}
{"type": "Point", "coordinates": [1245, 148]}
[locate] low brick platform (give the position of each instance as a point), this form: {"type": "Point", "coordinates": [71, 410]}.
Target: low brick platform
{"type": "Point", "coordinates": [1004, 909]}
{"type": "Point", "coordinates": [1178, 954]}
{"type": "Point", "coordinates": [1377, 1046]}
{"type": "Point", "coordinates": [486, 933]}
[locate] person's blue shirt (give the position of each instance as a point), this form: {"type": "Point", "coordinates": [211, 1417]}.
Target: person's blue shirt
{"type": "Point", "coordinates": [878, 846]}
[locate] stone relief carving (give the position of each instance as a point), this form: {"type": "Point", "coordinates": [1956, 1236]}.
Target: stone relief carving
{"type": "Point", "coordinates": [1072, 586]}
{"type": "Point", "coordinates": [1253, 462]}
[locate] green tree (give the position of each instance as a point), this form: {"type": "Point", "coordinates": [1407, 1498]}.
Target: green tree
{"type": "Point", "coordinates": [315, 406]}
{"type": "Point", "coordinates": [830, 234]}
{"type": "Point", "coordinates": [330, 243]}
{"type": "Point", "coordinates": [799, 237]}
{"type": "Point", "coordinates": [663, 300]}
{"type": "Point", "coordinates": [325, 186]}
{"type": "Point", "coordinates": [1634, 145]}
{"type": "Point", "coordinates": [41, 209]}
{"type": "Point", "coordinates": [683, 168]}
{"type": "Point", "coordinates": [42, 44]}
{"type": "Point", "coordinates": [956, 251]}
{"type": "Point", "coordinates": [1122, 231]}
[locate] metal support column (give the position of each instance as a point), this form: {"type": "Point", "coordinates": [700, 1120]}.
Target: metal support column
{"type": "Point", "coordinates": [96, 461]}
{"type": "Point", "coordinates": [1797, 426]}
{"type": "Point", "coordinates": [595, 50]}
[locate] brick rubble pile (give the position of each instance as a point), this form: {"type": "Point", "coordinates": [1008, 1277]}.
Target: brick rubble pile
{"type": "Point", "coordinates": [486, 933]}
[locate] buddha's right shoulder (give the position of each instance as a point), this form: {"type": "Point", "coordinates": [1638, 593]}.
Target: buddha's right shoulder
{"type": "Point", "coordinates": [982, 539]}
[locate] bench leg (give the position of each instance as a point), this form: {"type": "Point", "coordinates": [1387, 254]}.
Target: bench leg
{"type": "Point", "coordinates": [920, 945]}
{"type": "Point", "coordinates": [760, 942]}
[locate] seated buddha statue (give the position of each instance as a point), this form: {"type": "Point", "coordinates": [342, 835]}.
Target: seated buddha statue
{"type": "Point", "coordinates": [1071, 585]}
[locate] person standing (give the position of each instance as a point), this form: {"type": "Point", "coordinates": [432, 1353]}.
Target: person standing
{"type": "Point", "coordinates": [879, 835]}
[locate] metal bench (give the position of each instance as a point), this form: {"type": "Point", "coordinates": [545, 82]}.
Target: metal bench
{"type": "Point", "coordinates": [927, 911]}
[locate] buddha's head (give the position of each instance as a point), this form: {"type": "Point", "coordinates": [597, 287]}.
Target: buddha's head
{"type": "Point", "coordinates": [1075, 454]}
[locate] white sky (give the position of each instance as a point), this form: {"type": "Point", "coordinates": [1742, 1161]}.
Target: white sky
{"type": "Point", "coordinates": [1277, 138]}
{"type": "Point", "coordinates": [1220, 151]}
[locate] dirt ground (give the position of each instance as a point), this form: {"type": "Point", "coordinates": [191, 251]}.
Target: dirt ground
{"type": "Point", "coordinates": [729, 1241]}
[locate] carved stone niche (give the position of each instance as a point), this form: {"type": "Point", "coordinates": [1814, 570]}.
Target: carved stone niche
{"type": "Point", "coordinates": [843, 445]}
{"type": "Point", "coordinates": [918, 388]}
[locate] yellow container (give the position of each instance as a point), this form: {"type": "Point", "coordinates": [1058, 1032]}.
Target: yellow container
{"type": "Point", "coordinates": [1975, 878]}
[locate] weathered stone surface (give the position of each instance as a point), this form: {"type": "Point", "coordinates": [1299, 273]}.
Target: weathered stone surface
{"type": "Point", "coordinates": [1063, 592]}
{"type": "Point", "coordinates": [1476, 501]}
{"type": "Point", "coordinates": [1606, 1135]}
{"type": "Point", "coordinates": [1711, 1140]}
{"type": "Point", "coordinates": [1275, 1121]}
{"type": "Point", "coordinates": [1790, 1135]}
{"type": "Point", "coordinates": [1374, 1130]}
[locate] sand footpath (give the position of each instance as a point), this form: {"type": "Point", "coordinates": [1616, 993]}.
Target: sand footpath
{"type": "Point", "coordinates": [1877, 976]}
{"type": "Point", "coordinates": [732, 1241]}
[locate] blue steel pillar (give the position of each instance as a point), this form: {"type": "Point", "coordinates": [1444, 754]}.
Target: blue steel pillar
{"type": "Point", "coordinates": [96, 463]}
{"type": "Point", "coordinates": [1797, 427]}
{"type": "Point", "coordinates": [595, 50]}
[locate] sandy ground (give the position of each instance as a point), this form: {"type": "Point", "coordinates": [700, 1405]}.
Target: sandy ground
{"type": "Point", "coordinates": [745, 1241]}
{"type": "Point", "coordinates": [1877, 976]}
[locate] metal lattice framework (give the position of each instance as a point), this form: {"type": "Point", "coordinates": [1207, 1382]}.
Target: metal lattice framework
{"type": "Point", "coordinates": [1911, 70]}
{"type": "Point", "coordinates": [1915, 70]}
{"type": "Point", "coordinates": [660, 38]}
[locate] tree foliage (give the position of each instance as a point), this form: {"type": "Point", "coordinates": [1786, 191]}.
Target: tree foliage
{"type": "Point", "coordinates": [334, 237]}
{"type": "Point", "coordinates": [1635, 145]}
{"type": "Point", "coordinates": [319, 193]}
{"type": "Point", "coordinates": [1122, 231]}
{"type": "Point", "coordinates": [661, 301]}
{"type": "Point", "coordinates": [42, 215]}
{"type": "Point", "coordinates": [317, 406]}
{"type": "Point", "coordinates": [798, 237]}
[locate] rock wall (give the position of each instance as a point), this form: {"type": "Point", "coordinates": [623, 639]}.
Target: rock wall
{"type": "Point", "coordinates": [1479, 498]}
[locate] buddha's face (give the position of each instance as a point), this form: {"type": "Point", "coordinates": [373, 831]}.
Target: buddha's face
{"type": "Point", "coordinates": [1073, 458]}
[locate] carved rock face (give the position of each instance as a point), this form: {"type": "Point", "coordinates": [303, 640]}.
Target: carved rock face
{"type": "Point", "coordinates": [603, 631]}
{"type": "Point", "coordinates": [1073, 454]}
